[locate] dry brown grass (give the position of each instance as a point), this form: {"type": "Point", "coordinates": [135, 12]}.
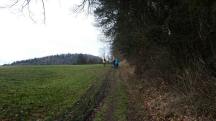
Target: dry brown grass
{"type": "Point", "coordinates": [155, 99]}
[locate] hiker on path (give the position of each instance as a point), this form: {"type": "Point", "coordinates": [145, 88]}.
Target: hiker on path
{"type": "Point", "coordinates": [104, 62]}
{"type": "Point", "coordinates": [116, 63]}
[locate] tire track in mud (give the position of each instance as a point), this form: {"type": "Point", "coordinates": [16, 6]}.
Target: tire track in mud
{"type": "Point", "coordinates": [85, 108]}
{"type": "Point", "coordinates": [112, 104]}
{"type": "Point", "coordinates": [108, 108]}
{"type": "Point", "coordinates": [111, 107]}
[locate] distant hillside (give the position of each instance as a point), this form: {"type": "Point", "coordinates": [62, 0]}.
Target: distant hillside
{"type": "Point", "coordinates": [66, 59]}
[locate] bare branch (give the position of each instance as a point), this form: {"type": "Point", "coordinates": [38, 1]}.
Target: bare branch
{"type": "Point", "coordinates": [89, 3]}
{"type": "Point", "coordinates": [30, 16]}
{"type": "Point", "coordinates": [10, 6]}
{"type": "Point", "coordinates": [79, 8]}
{"type": "Point", "coordinates": [44, 11]}
{"type": "Point", "coordinates": [16, 2]}
{"type": "Point", "coordinates": [24, 4]}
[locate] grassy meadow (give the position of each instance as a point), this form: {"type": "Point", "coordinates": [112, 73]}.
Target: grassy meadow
{"type": "Point", "coordinates": [43, 92]}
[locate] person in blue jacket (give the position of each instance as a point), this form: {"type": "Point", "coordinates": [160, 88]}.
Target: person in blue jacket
{"type": "Point", "coordinates": [116, 63]}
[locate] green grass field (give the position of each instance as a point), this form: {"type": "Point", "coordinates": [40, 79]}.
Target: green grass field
{"type": "Point", "coordinates": [43, 92]}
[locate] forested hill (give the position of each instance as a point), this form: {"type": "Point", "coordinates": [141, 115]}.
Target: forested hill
{"type": "Point", "coordinates": [61, 59]}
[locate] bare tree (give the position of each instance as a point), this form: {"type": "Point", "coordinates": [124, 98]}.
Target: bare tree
{"type": "Point", "coordinates": [24, 5]}
{"type": "Point", "coordinates": [85, 5]}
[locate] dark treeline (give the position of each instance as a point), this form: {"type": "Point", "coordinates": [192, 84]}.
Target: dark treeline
{"type": "Point", "coordinates": [183, 29]}
{"type": "Point", "coordinates": [169, 39]}
{"type": "Point", "coordinates": [61, 59]}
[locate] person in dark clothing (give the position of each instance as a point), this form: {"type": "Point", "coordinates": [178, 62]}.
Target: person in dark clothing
{"type": "Point", "coordinates": [104, 62]}
{"type": "Point", "coordinates": [113, 63]}
{"type": "Point", "coordinates": [116, 63]}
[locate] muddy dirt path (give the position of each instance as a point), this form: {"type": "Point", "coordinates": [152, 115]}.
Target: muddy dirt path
{"type": "Point", "coordinates": [111, 106]}
{"type": "Point", "coordinates": [109, 116]}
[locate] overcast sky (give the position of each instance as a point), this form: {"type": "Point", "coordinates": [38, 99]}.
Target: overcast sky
{"type": "Point", "coordinates": [64, 31]}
